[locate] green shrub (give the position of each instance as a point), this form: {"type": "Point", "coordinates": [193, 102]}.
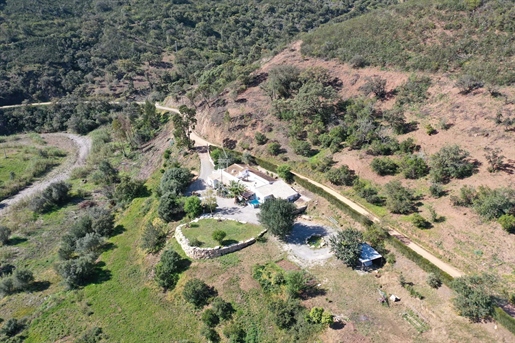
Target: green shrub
{"type": "Point", "coordinates": [260, 138]}
{"type": "Point", "coordinates": [274, 148]}
{"type": "Point", "coordinates": [168, 269]}
{"type": "Point", "coordinates": [493, 203]}
{"type": "Point", "coordinates": [366, 191]}
{"type": "Point", "coordinates": [414, 90]}
{"type": "Point", "coordinates": [419, 222]}
{"type": "Point", "coordinates": [210, 334]}
{"type": "Point", "coordinates": [436, 190]}
{"type": "Point", "coordinates": [170, 207]}
{"type": "Point", "coordinates": [384, 166]}
{"type": "Point", "coordinates": [284, 172]}
{"type": "Point", "coordinates": [433, 280]}
{"type": "Point", "coordinates": [341, 176]}
{"type": "Point", "coordinates": [198, 293]}
{"type": "Point", "coordinates": [399, 199]}
{"type": "Point", "coordinates": [467, 83]}
{"type": "Point", "coordinates": [5, 232]}
{"type": "Point", "coordinates": [210, 318]}
{"type": "Point", "coordinates": [301, 148]}
{"type": "Point", "coordinates": [223, 309]}
{"type": "Point", "coordinates": [219, 236]}
{"type": "Point", "coordinates": [408, 146]}
{"type": "Point", "coordinates": [390, 258]}
{"type": "Point", "coordinates": [414, 167]}
{"type": "Point", "coordinates": [450, 162]}
{"type": "Point", "coordinates": [430, 130]}
{"type": "Point", "coordinates": [507, 222]}
{"type": "Point", "coordinates": [296, 283]}
{"type": "Point", "coordinates": [153, 238]}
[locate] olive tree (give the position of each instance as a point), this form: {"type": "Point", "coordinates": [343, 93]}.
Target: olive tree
{"type": "Point", "coordinates": [346, 246]}
{"type": "Point", "coordinates": [278, 216]}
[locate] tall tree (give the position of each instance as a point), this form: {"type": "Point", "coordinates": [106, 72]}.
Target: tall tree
{"type": "Point", "coordinates": [184, 124]}
{"type": "Point", "coordinates": [278, 216]}
{"type": "Point", "coordinates": [346, 245]}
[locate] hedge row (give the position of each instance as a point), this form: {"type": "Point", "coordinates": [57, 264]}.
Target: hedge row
{"type": "Point", "coordinates": [265, 164]}
{"type": "Point", "coordinates": [333, 200]}
{"type": "Point", "coordinates": [504, 319]}
{"type": "Point", "coordinates": [420, 261]}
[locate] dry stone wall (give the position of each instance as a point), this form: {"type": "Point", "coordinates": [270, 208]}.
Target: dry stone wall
{"type": "Point", "coordinates": [207, 253]}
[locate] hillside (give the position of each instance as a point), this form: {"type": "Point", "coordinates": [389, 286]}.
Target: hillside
{"type": "Point", "coordinates": [468, 120]}
{"type": "Point", "coordinates": [124, 49]}
{"type": "Point", "coordinates": [460, 37]}
{"type": "Point", "coordinates": [396, 117]}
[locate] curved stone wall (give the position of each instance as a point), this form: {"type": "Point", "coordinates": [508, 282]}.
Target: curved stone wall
{"type": "Point", "coordinates": [205, 253]}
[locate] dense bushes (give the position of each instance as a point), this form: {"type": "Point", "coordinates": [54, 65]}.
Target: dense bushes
{"type": "Point", "coordinates": [342, 175]}
{"type": "Point", "coordinates": [54, 195]}
{"type": "Point", "coordinates": [168, 269]}
{"type": "Point", "coordinates": [450, 162]}
{"type": "Point", "coordinates": [5, 232]}
{"type": "Point", "coordinates": [384, 166]}
{"type": "Point", "coordinates": [399, 199]}
{"type": "Point", "coordinates": [488, 203]}
{"type": "Point", "coordinates": [82, 244]}
{"type": "Point", "coordinates": [397, 35]}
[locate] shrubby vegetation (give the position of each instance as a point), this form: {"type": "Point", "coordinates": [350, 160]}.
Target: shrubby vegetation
{"type": "Point", "coordinates": [56, 194]}
{"type": "Point", "coordinates": [488, 203]}
{"type": "Point", "coordinates": [450, 162]}
{"type": "Point", "coordinates": [82, 244]}
{"type": "Point", "coordinates": [474, 299]}
{"type": "Point", "coordinates": [215, 44]}
{"type": "Point", "coordinates": [168, 269]}
{"type": "Point", "coordinates": [399, 199]}
{"type": "Point", "coordinates": [405, 27]}
{"type": "Point", "coordinates": [342, 175]}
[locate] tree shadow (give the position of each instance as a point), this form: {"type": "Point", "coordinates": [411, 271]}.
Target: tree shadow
{"type": "Point", "coordinates": [228, 242]}
{"type": "Point", "coordinates": [39, 286]}
{"type": "Point", "coordinates": [107, 246]}
{"type": "Point", "coordinates": [100, 274]}
{"type": "Point", "coordinates": [312, 292]}
{"type": "Point", "coordinates": [118, 229]}
{"type": "Point", "coordinates": [16, 240]}
{"type": "Point", "coordinates": [411, 127]}
{"type": "Point", "coordinates": [338, 325]}
{"type": "Point", "coordinates": [183, 264]}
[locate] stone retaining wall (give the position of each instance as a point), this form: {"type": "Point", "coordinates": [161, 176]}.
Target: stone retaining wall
{"type": "Point", "coordinates": [206, 253]}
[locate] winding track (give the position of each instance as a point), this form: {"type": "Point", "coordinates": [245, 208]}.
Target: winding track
{"type": "Point", "coordinates": [61, 173]}
{"type": "Point", "coordinates": [84, 145]}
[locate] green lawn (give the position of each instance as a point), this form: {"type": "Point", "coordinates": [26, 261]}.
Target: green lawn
{"type": "Point", "coordinates": [236, 231]}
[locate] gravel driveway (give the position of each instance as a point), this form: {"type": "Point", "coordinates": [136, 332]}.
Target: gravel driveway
{"type": "Point", "coordinates": [299, 251]}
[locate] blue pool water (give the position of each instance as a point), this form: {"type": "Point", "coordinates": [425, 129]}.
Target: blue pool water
{"type": "Point", "coordinates": [254, 202]}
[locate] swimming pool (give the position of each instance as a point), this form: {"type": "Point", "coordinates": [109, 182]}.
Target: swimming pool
{"type": "Point", "coordinates": [254, 202]}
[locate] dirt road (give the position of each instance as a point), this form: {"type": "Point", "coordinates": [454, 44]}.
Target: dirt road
{"type": "Point", "coordinates": [413, 246]}
{"type": "Point", "coordinates": [61, 173]}
{"type": "Point", "coordinates": [84, 148]}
